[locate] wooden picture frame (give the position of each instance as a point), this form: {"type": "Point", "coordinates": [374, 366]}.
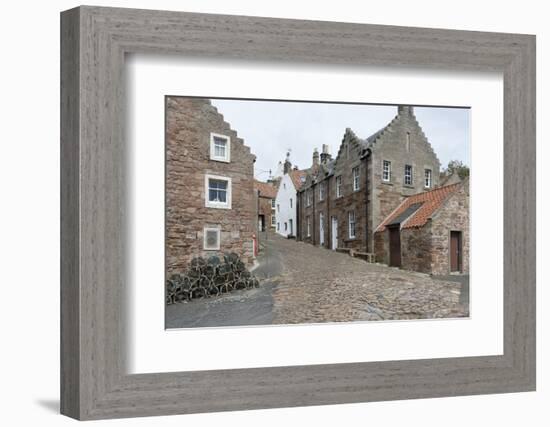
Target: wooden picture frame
{"type": "Point", "coordinates": [94, 41]}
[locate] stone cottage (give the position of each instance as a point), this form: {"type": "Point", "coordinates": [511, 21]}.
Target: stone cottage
{"type": "Point", "coordinates": [211, 205]}
{"type": "Point", "coordinates": [343, 200]}
{"type": "Point", "coordinates": [428, 232]}
{"type": "Point", "coordinates": [267, 193]}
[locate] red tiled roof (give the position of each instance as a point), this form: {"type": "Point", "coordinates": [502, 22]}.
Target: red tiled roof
{"type": "Point", "coordinates": [266, 189]}
{"type": "Point", "coordinates": [298, 178]}
{"type": "Point", "coordinates": [429, 202]}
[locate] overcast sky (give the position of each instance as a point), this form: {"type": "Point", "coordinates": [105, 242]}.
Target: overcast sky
{"type": "Point", "coordinates": [271, 128]}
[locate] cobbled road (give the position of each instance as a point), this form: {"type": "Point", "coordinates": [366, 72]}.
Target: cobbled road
{"type": "Point", "coordinates": [301, 283]}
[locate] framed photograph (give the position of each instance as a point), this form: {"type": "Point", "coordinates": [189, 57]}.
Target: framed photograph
{"type": "Point", "coordinates": [262, 213]}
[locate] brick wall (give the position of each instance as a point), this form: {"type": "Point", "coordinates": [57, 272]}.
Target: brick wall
{"type": "Point", "coordinates": [189, 122]}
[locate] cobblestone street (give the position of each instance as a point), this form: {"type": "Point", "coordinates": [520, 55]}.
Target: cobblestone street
{"type": "Point", "coordinates": [319, 285]}
{"type": "Point", "coordinates": [301, 283]}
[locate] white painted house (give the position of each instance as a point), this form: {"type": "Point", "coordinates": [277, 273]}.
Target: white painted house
{"type": "Point", "coordinates": [285, 202]}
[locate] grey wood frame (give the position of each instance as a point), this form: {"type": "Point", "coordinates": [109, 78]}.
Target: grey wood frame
{"type": "Point", "coordinates": [94, 41]}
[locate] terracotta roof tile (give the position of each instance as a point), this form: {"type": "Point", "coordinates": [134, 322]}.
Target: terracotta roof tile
{"type": "Point", "coordinates": [266, 189]}
{"type": "Point", "coordinates": [429, 202]}
{"type": "Point", "coordinates": [298, 177]}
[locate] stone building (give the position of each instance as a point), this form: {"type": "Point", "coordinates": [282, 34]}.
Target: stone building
{"type": "Point", "coordinates": [267, 193]}
{"type": "Point", "coordinates": [428, 232]}
{"type": "Point", "coordinates": [285, 202]}
{"type": "Point", "coordinates": [211, 205]}
{"type": "Point", "coordinates": [345, 199]}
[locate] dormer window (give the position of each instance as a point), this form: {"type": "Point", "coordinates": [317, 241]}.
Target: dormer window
{"type": "Point", "coordinates": [220, 148]}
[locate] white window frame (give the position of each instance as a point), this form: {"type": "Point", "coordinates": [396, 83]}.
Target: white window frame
{"type": "Point", "coordinates": [273, 220]}
{"type": "Point", "coordinates": [351, 215]}
{"type": "Point", "coordinates": [218, 231]}
{"type": "Point", "coordinates": [356, 175]}
{"type": "Point", "coordinates": [321, 191]}
{"type": "Point", "coordinates": [273, 204]}
{"type": "Point", "coordinates": [308, 225]}
{"type": "Point", "coordinates": [410, 175]}
{"type": "Point", "coordinates": [227, 157]}
{"type": "Point", "coordinates": [427, 178]}
{"type": "Point", "coordinates": [386, 172]}
{"type": "Point", "coordinates": [216, 205]}
{"type": "Point", "coordinates": [338, 186]}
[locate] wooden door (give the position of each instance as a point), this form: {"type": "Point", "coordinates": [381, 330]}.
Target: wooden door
{"type": "Point", "coordinates": [456, 251]}
{"type": "Point", "coordinates": [395, 246]}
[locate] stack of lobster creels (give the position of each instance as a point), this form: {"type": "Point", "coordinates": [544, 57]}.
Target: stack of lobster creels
{"type": "Point", "coordinates": [209, 277]}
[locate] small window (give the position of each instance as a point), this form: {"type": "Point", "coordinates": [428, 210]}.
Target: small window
{"type": "Point", "coordinates": [308, 219]}
{"type": "Point", "coordinates": [278, 227]}
{"type": "Point", "coordinates": [211, 239]}
{"type": "Point", "coordinates": [218, 192]}
{"type": "Point", "coordinates": [351, 224]}
{"type": "Point", "coordinates": [386, 171]}
{"type": "Point", "coordinates": [278, 208]}
{"type": "Point", "coordinates": [308, 197]}
{"type": "Point", "coordinates": [291, 203]}
{"type": "Point", "coordinates": [220, 147]}
{"type": "Point", "coordinates": [272, 203]}
{"type": "Point", "coordinates": [273, 220]}
{"type": "Point", "coordinates": [284, 186]}
{"type": "Point", "coordinates": [286, 226]}
{"type": "Point", "coordinates": [408, 142]}
{"type": "Point", "coordinates": [322, 191]}
{"type": "Point", "coordinates": [338, 186]}
{"type": "Point", "coordinates": [427, 178]}
{"type": "Point", "coordinates": [408, 175]}
{"type": "Point", "coordinates": [355, 172]}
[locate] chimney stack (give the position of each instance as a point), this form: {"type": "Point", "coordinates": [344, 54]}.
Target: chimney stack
{"type": "Point", "coordinates": [405, 110]}
{"type": "Point", "coordinates": [287, 166]}
{"type": "Point", "coordinates": [325, 154]}
{"type": "Point", "coordinates": [315, 157]}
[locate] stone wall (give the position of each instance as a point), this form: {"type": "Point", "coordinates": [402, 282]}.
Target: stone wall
{"type": "Point", "coordinates": [189, 122]}
{"type": "Point", "coordinates": [427, 249]}
{"type": "Point", "coordinates": [265, 209]}
{"type": "Point", "coordinates": [349, 157]}
{"type": "Point", "coordinates": [454, 215]}
{"type": "Point", "coordinates": [416, 249]}
{"type": "Point", "coordinates": [402, 143]}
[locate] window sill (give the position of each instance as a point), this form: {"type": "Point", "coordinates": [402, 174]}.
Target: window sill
{"type": "Point", "coordinates": [408, 186]}
{"type": "Point", "coordinates": [217, 206]}
{"type": "Point", "coordinates": [387, 182]}
{"type": "Point", "coordinates": [220, 159]}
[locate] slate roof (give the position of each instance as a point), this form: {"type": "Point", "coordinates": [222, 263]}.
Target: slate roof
{"type": "Point", "coordinates": [266, 189]}
{"type": "Point", "coordinates": [415, 211]}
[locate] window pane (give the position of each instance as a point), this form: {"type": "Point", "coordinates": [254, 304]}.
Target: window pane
{"type": "Point", "coordinates": [219, 147]}
{"type": "Point", "coordinates": [217, 190]}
